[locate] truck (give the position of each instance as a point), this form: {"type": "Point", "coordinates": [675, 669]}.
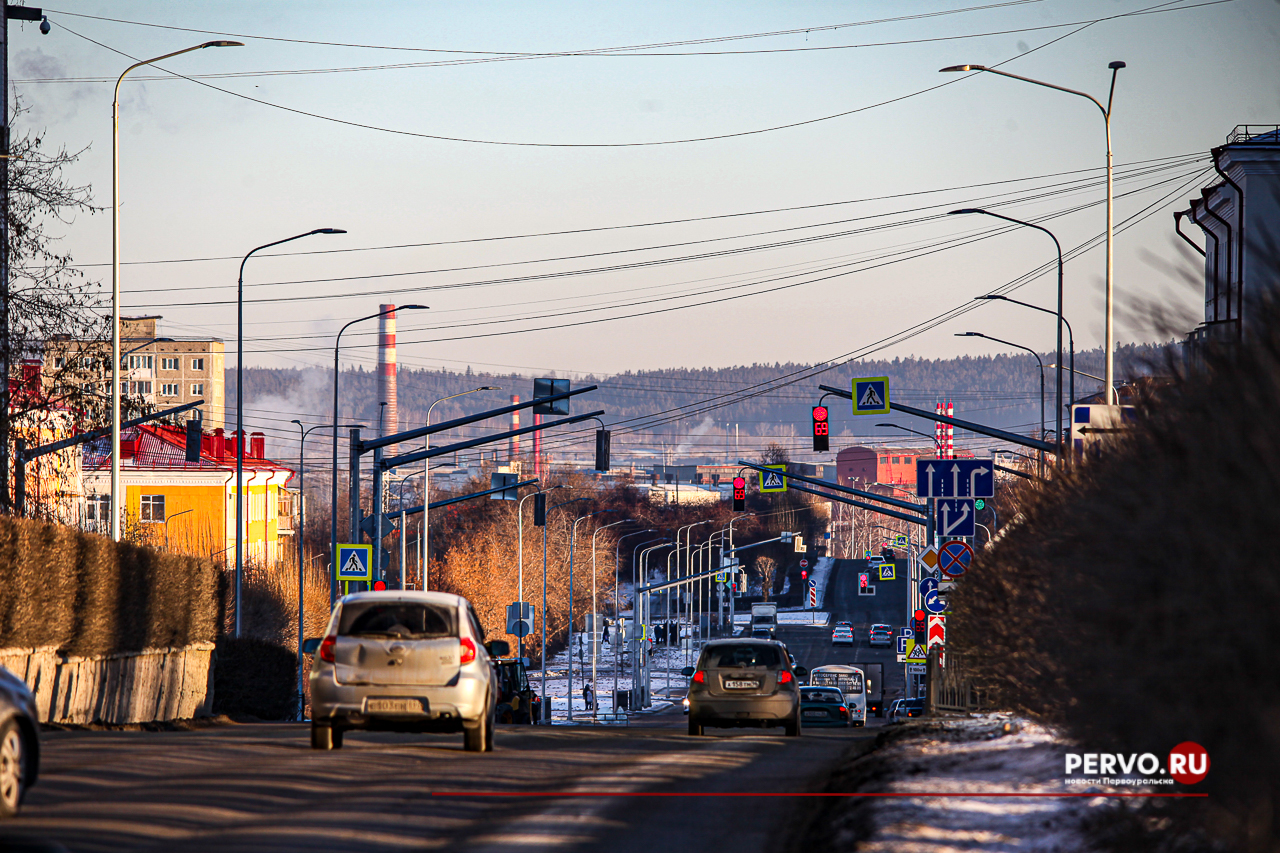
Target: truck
{"type": "Point", "coordinates": [764, 617]}
{"type": "Point", "coordinates": [875, 687]}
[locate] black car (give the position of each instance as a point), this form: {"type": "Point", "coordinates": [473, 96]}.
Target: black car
{"type": "Point", "coordinates": [911, 708]}
{"type": "Point", "coordinates": [19, 742]}
{"type": "Point", "coordinates": [823, 706]}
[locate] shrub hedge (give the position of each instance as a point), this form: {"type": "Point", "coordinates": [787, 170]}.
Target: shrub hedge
{"type": "Point", "coordinates": [1136, 601]}
{"type": "Point", "coordinates": [86, 595]}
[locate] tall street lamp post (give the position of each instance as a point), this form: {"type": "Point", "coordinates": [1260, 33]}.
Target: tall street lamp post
{"type": "Point", "coordinates": [573, 537]}
{"type": "Point", "coordinates": [595, 613]}
{"type": "Point", "coordinates": [1058, 313]}
{"type": "Point", "coordinates": [617, 607]}
{"type": "Point", "coordinates": [520, 556]}
{"type": "Point", "coordinates": [425, 543]}
{"type": "Point", "coordinates": [240, 405]}
{"type": "Point", "coordinates": [546, 709]}
{"type": "Point", "coordinates": [115, 276]}
{"type": "Point", "coordinates": [333, 510]}
{"type": "Point", "coordinates": [1115, 67]}
{"type": "Point", "coordinates": [1039, 361]}
{"type": "Point", "coordinates": [300, 536]}
{"type": "Point", "coordinates": [1071, 353]}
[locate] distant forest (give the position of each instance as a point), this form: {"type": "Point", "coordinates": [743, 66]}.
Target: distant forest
{"type": "Point", "coordinates": [704, 410]}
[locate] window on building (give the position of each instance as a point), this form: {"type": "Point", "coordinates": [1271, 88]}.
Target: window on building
{"type": "Point", "coordinates": [140, 361]}
{"type": "Point", "coordinates": [139, 388]}
{"type": "Point", "coordinates": [59, 362]}
{"type": "Point", "coordinates": [169, 389]}
{"type": "Point", "coordinates": [97, 508]}
{"type": "Point", "coordinates": [197, 364]}
{"type": "Point", "coordinates": [884, 460]}
{"type": "Point", "coordinates": [169, 364]}
{"type": "Point", "coordinates": [197, 389]}
{"type": "Point", "coordinates": [86, 363]}
{"type": "Point", "coordinates": [152, 508]}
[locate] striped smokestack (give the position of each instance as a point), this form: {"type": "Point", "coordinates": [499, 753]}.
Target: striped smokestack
{"type": "Point", "coordinates": [513, 443]}
{"type": "Point", "coordinates": [387, 369]}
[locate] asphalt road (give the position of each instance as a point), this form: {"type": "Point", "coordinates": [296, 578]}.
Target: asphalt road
{"type": "Point", "coordinates": [261, 787]}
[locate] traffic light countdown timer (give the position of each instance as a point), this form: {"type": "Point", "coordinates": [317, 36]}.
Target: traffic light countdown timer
{"type": "Point", "coordinates": [821, 429]}
{"type": "Point", "coordinates": [739, 494]}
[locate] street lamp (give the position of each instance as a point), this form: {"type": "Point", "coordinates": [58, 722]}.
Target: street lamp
{"type": "Point", "coordinates": [1058, 313]}
{"type": "Point", "coordinates": [1071, 349]}
{"type": "Point", "coordinates": [1039, 360]}
{"type": "Point", "coordinates": [617, 608]}
{"type": "Point", "coordinates": [300, 534]}
{"type": "Point", "coordinates": [933, 438]}
{"type": "Point", "coordinates": [546, 708]}
{"type": "Point", "coordinates": [115, 276]}
{"type": "Point", "coordinates": [1106, 118]}
{"type": "Point", "coordinates": [520, 556]}
{"type": "Point", "coordinates": [333, 509]}
{"type": "Point", "coordinates": [425, 544]}
{"type": "Point", "coordinates": [240, 436]}
{"type": "Point", "coordinates": [573, 536]}
{"type": "Point", "coordinates": [595, 613]}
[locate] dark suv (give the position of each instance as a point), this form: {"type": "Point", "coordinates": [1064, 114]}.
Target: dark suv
{"type": "Point", "coordinates": [744, 682]}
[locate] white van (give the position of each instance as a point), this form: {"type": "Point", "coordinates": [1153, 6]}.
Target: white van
{"type": "Point", "coordinates": [852, 683]}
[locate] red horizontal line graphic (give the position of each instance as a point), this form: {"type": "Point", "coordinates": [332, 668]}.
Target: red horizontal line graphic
{"type": "Point", "coordinates": [896, 794]}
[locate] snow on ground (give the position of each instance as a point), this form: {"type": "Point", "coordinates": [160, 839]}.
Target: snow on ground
{"type": "Point", "coordinates": [971, 756]}
{"type": "Point", "coordinates": [665, 679]}
{"type": "Point", "coordinates": [790, 617]}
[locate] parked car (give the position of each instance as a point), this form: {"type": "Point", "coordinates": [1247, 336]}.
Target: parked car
{"type": "Point", "coordinates": [823, 706]}
{"type": "Point", "coordinates": [880, 635]}
{"type": "Point", "coordinates": [842, 637]}
{"type": "Point", "coordinates": [404, 661]}
{"type": "Point", "coordinates": [911, 708]}
{"type": "Point", "coordinates": [892, 713]}
{"type": "Point", "coordinates": [744, 682]}
{"type": "Point", "coordinates": [19, 742]}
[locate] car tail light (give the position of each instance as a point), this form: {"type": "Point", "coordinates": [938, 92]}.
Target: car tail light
{"type": "Point", "coordinates": [700, 677]}
{"type": "Point", "coordinates": [784, 677]}
{"type": "Point", "coordinates": [326, 648]}
{"type": "Point", "coordinates": [844, 712]}
{"type": "Point", "coordinates": [468, 650]}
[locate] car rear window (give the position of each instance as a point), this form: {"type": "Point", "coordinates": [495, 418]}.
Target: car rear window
{"type": "Point", "coordinates": [744, 655]}
{"type": "Point", "coordinates": [404, 619]}
{"type": "Point", "coordinates": [832, 696]}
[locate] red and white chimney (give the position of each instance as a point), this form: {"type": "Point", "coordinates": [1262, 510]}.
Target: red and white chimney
{"type": "Point", "coordinates": [387, 369]}
{"type": "Point", "coordinates": [513, 443]}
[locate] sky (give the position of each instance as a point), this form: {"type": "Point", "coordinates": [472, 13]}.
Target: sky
{"type": "Point", "coordinates": [807, 222]}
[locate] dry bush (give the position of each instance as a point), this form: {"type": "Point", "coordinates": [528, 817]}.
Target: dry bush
{"type": "Point", "coordinates": [84, 594]}
{"type": "Point", "coordinates": [1135, 599]}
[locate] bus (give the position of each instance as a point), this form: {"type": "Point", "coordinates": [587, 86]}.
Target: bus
{"type": "Point", "coordinates": [852, 683]}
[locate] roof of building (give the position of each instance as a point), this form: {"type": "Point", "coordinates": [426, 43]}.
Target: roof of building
{"type": "Point", "coordinates": [164, 446]}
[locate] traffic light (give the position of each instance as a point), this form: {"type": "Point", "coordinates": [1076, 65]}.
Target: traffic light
{"type": "Point", "coordinates": [804, 574]}
{"type": "Point", "coordinates": [821, 429]}
{"type": "Point", "coordinates": [739, 494]}
{"type": "Point", "coordinates": [919, 620]}
{"type": "Point", "coordinates": [602, 450]}
{"type": "Point", "coordinates": [194, 433]}
{"type": "Point", "coordinates": [862, 580]}
{"type": "Point", "coordinates": [540, 510]}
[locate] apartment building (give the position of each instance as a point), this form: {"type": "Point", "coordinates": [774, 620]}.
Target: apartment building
{"type": "Point", "coordinates": [162, 373]}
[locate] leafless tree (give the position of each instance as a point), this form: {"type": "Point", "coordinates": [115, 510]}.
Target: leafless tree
{"type": "Point", "coordinates": [766, 568]}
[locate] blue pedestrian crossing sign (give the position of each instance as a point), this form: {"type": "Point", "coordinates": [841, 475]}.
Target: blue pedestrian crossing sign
{"type": "Point", "coordinates": [871, 396]}
{"type": "Point", "coordinates": [354, 562]}
{"type": "Point", "coordinates": [886, 571]}
{"type": "Point", "coordinates": [774, 480]}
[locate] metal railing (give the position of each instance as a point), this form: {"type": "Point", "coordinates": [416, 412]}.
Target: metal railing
{"type": "Point", "coordinates": [1262, 133]}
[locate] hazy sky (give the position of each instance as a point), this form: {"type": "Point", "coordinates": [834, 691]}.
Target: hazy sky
{"type": "Point", "coordinates": [209, 174]}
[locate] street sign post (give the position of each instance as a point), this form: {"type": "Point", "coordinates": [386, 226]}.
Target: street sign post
{"type": "Point", "coordinates": [928, 558]}
{"type": "Point", "coordinates": [955, 557]}
{"type": "Point", "coordinates": [774, 480]}
{"type": "Point", "coordinates": [915, 669]}
{"type": "Point", "coordinates": [933, 603]}
{"type": "Point", "coordinates": [955, 478]}
{"type": "Point", "coordinates": [927, 585]}
{"type": "Point", "coordinates": [355, 562]}
{"type": "Point", "coordinates": [937, 631]}
{"type": "Point", "coordinates": [916, 652]}
{"type": "Point", "coordinates": [886, 571]}
{"type": "Point", "coordinates": [956, 517]}
{"type": "Point", "coordinates": [902, 644]}
{"type": "Point", "coordinates": [871, 396]}
{"type": "Point", "coordinates": [520, 619]}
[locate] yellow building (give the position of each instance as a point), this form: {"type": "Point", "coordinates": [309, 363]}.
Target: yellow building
{"type": "Point", "coordinates": [190, 506]}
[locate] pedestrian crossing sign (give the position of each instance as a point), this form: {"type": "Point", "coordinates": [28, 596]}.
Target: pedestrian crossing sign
{"type": "Point", "coordinates": [886, 571]}
{"type": "Point", "coordinates": [354, 562]}
{"type": "Point", "coordinates": [774, 480]}
{"type": "Point", "coordinates": [871, 396]}
{"type": "Point", "coordinates": [915, 652]}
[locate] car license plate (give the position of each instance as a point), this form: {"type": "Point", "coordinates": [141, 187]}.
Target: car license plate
{"type": "Point", "coordinates": [742, 685]}
{"type": "Point", "coordinates": [815, 713]}
{"type": "Point", "coordinates": [394, 706]}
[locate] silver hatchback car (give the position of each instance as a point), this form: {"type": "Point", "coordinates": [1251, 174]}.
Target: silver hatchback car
{"type": "Point", "coordinates": [744, 682]}
{"type": "Point", "coordinates": [403, 661]}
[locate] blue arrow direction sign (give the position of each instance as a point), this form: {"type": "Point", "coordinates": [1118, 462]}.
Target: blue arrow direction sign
{"type": "Point", "coordinates": [934, 604]}
{"type": "Point", "coordinates": [955, 478]}
{"type": "Point", "coordinates": [928, 585]}
{"type": "Point", "coordinates": [956, 518]}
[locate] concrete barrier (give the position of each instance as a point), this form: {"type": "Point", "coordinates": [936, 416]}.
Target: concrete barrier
{"type": "Point", "coordinates": [138, 687]}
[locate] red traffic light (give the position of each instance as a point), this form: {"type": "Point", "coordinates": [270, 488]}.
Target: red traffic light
{"type": "Point", "coordinates": [819, 413]}
{"type": "Point", "coordinates": [862, 580]}
{"type": "Point", "coordinates": [379, 585]}
{"type": "Point", "coordinates": [919, 615]}
{"type": "Point", "coordinates": [739, 483]}
{"type": "Point", "coordinates": [804, 575]}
